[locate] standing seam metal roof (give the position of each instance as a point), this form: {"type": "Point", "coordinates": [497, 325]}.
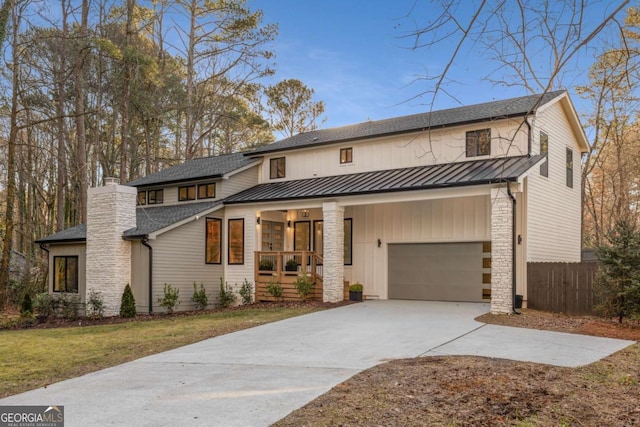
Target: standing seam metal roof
{"type": "Point", "coordinates": [413, 178]}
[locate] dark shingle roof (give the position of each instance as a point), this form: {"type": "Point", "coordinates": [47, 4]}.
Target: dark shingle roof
{"type": "Point", "coordinates": [413, 178]}
{"type": "Point", "coordinates": [202, 168]}
{"type": "Point", "coordinates": [513, 107]}
{"type": "Point", "coordinates": [148, 219]}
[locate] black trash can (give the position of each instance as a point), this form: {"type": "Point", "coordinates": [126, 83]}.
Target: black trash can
{"type": "Point", "coordinates": [519, 301]}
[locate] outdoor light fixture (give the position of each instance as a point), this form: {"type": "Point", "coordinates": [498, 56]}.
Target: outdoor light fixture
{"type": "Point", "coordinates": [258, 220]}
{"type": "Point", "coordinates": [379, 242]}
{"type": "Point", "coordinates": [288, 223]}
{"type": "Point", "coordinates": [304, 213]}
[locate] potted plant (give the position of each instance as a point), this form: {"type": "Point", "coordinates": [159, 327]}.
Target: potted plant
{"type": "Point", "coordinates": [266, 264]}
{"type": "Point", "coordinates": [292, 265]}
{"type": "Point", "coordinates": [355, 292]}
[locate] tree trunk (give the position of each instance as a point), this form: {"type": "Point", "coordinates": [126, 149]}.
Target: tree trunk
{"type": "Point", "coordinates": [81, 143]}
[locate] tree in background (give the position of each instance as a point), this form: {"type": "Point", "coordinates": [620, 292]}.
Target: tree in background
{"type": "Point", "coordinates": [618, 280]}
{"type": "Point", "coordinates": [291, 107]}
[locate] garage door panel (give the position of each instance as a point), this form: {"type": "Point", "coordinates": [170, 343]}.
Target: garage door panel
{"type": "Point", "coordinates": [442, 271]}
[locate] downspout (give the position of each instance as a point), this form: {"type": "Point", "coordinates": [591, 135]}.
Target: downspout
{"type": "Point", "coordinates": [529, 139]}
{"type": "Point", "coordinates": [145, 242]}
{"type": "Point", "coordinates": [513, 249]}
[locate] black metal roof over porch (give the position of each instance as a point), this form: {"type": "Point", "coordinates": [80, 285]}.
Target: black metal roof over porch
{"type": "Point", "coordinates": [478, 172]}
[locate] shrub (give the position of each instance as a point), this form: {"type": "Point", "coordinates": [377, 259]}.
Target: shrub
{"type": "Point", "coordinates": [356, 287]}
{"type": "Point", "coordinates": [303, 285]}
{"type": "Point", "coordinates": [26, 308]}
{"type": "Point", "coordinates": [171, 298]}
{"type": "Point", "coordinates": [128, 303]}
{"type": "Point", "coordinates": [95, 305]}
{"type": "Point", "coordinates": [227, 297]}
{"type": "Point", "coordinates": [199, 297]}
{"type": "Point", "coordinates": [618, 279]}
{"type": "Point", "coordinates": [246, 292]}
{"type": "Point", "coordinates": [70, 306]}
{"type": "Point", "coordinates": [44, 305]}
{"type": "Point", "coordinates": [275, 289]}
{"type": "Point", "coordinates": [292, 265]}
{"type": "Point", "coordinates": [266, 264]}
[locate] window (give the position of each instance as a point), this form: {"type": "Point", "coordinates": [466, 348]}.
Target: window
{"type": "Point", "coordinates": [214, 241]}
{"type": "Point", "coordinates": [348, 237]}
{"type": "Point", "coordinates": [569, 168]}
{"type": "Point", "coordinates": [187, 193]}
{"type": "Point", "coordinates": [206, 191]}
{"type": "Point", "coordinates": [346, 155]}
{"type": "Point", "coordinates": [142, 198]}
{"type": "Point", "coordinates": [65, 274]}
{"type": "Point", "coordinates": [479, 142]}
{"type": "Point", "coordinates": [277, 168]}
{"type": "Point", "coordinates": [544, 150]}
{"type": "Point", "coordinates": [236, 241]}
{"type": "Point", "coordinates": [301, 236]}
{"type": "Point", "coordinates": [318, 241]}
{"type": "Point", "coordinates": [156, 197]}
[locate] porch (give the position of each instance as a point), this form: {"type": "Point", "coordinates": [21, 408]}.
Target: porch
{"type": "Point", "coordinates": [283, 268]}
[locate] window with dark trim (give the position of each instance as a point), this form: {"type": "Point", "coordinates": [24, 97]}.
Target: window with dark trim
{"type": "Point", "coordinates": [213, 241]}
{"type": "Point", "coordinates": [478, 142]}
{"type": "Point", "coordinates": [569, 168]}
{"type": "Point", "coordinates": [346, 155]}
{"type": "Point", "coordinates": [235, 248]}
{"type": "Point", "coordinates": [155, 197]}
{"type": "Point", "coordinates": [65, 274]}
{"type": "Point", "coordinates": [142, 198]}
{"type": "Point", "coordinates": [348, 241]}
{"type": "Point", "coordinates": [277, 168]}
{"type": "Point", "coordinates": [207, 191]}
{"type": "Point", "coordinates": [544, 150]}
{"type": "Point", "coordinates": [187, 193]}
{"type": "Point", "coordinates": [302, 236]}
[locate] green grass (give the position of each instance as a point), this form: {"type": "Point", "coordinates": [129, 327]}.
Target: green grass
{"type": "Point", "coordinates": [34, 358]}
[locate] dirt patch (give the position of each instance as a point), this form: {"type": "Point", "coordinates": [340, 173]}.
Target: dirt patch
{"type": "Point", "coordinates": [476, 391]}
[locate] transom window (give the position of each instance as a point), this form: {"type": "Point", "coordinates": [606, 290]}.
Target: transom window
{"type": "Point", "coordinates": [187, 193]}
{"type": "Point", "coordinates": [206, 191]}
{"type": "Point", "coordinates": [544, 150]}
{"type": "Point", "coordinates": [277, 168]}
{"type": "Point", "coordinates": [65, 274]}
{"type": "Point", "coordinates": [142, 198]}
{"type": "Point", "coordinates": [155, 197]}
{"type": "Point", "coordinates": [478, 143]}
{"type": "Point", "coordinates": [346, 155]}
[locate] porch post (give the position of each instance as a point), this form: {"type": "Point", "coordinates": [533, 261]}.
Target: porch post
{"type": "Point", "coordinates": [501, 251]}
{"type": "Point", "coordinates": [333, 271]}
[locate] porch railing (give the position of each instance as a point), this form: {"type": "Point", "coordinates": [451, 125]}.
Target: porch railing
{"type": "Point", "coordinates": [283, 268]}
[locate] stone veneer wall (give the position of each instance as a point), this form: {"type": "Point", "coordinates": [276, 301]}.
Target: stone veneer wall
{"type": "Point", "coordinates": [501, 251]}
{"type": "Point", "coordinates": [333, 267]}
{"type": "Point", "coordinates": [110, 211]}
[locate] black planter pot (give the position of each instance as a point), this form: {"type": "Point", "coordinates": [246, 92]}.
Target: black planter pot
{"type": "Point", "coordinates": [355, 296]}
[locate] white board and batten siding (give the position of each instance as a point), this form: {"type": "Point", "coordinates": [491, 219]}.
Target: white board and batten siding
{"type": "Point", "coordinates": [70, 249]}
{"type": "Point", "coordinates": [553, 209]}
{"type": "Point", "coordinates": [179, 260]}
{"type": "Point", "coordinates": [399, 151]}
{"type": "Point", "coordinates": [464, 219]}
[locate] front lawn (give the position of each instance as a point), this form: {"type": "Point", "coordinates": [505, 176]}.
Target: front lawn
{"type": "Point", "coordinates": [32, 358]}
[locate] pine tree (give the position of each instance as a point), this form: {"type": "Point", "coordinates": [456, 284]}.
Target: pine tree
{"type": "Point", "coordinates": [128, 304]}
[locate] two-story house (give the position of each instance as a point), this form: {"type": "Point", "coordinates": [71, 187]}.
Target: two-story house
{"type": "Point", "coordinates": [447, 205]}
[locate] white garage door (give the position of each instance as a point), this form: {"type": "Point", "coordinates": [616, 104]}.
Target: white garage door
{"type": "Point", "coordinates": [437, 271]}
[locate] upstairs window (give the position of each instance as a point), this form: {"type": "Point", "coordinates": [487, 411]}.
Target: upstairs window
{"type": "Point", "coordinates": [569, 168]}
{"type": "Point", "coordinates": [544, 150]}
{"type": "Point", "coordinates": [142, 198]}
{"type": "Point", "coordinates": [277, 168]}
{"type": "Point", "coordinates": [187, 193]}
{"type": "Point", "coordinates": [155, 197]}
{"type": "Point", "coordinates": [206, 191]}
{"type": "Point", "coordinates": [478, 143]}
{"type": "Point", "coordinates": [346, 155]}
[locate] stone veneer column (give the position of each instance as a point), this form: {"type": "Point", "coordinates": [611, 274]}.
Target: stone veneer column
{"type": "Point", "coordinates": [110, 211]}
{"type": "Point", "coordinates": [333, 268]}
{"type": "Point", "coordinates": [501, 251]}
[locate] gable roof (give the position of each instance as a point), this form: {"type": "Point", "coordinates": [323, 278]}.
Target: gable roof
{"type": "Point", "coordinates": [514, 107]}
{"type": "Point", "coordinates": [200, 168]}
{"type": "Point", "coordinates": [448, 175]}
{"type": "Point", "coordinates": [148, 220]}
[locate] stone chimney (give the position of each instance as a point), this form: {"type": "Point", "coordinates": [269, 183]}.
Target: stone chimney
{"type": "Point", "coordinates": [111, 210]}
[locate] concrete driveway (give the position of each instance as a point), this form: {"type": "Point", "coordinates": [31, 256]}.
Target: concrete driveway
{"type": "Point", "coordinates": [257, 376]}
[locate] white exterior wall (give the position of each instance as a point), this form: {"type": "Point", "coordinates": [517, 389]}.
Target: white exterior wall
{"type": "Point", "coordinates": [179, 260]}
{"type": "Point", "coordinates": [465, 219]}
{"type": "Point", "coordinates": [554, 211]}
{"type": "Point", "coordinates": [418, 149]}
{"type": "Point", "coordinates": [235, 275]}
{"type": "Point", "coordinates": [70, 249]}
{"type": "Point", "coordinates": [111, 210]}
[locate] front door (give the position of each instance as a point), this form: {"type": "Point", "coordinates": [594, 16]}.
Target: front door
{"type": "Point", "coordinates": [272, 236]}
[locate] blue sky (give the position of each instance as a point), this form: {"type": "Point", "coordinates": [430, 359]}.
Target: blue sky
{"type": "Point", "coordinates": [352, 54]}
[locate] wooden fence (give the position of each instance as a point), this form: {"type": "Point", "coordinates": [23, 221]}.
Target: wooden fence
{"type": "Point", "coordinates": [561, 287]}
